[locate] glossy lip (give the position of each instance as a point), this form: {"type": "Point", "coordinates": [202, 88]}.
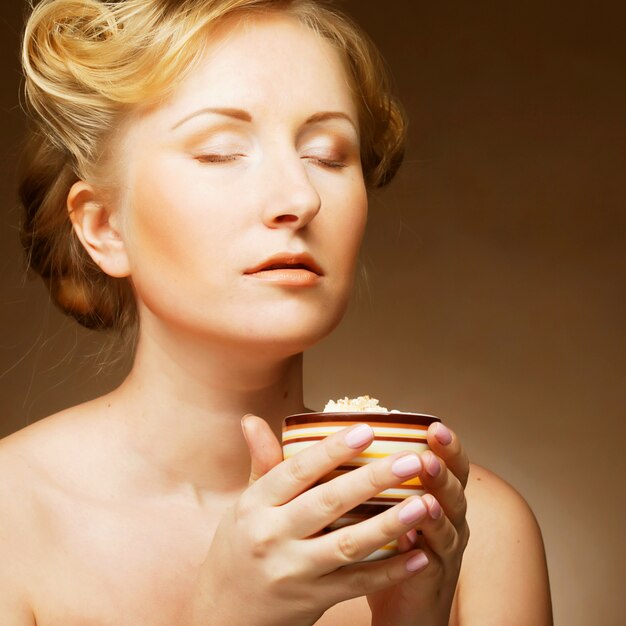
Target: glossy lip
{"type": "Point", "coordinates": [286, 268]}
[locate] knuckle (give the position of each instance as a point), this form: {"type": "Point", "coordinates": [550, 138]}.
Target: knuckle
{"type": "Point", "coordinates": [243, 507]}
{"type": "Point", "coordinates": [282, 573]}
{"type": "Point", "coordinates": [329, 499]}
{"type": "Point", "coordinates": [449, 541]}
{"type": "Point", "coordinates": [389, 526]}
{"type": "Point", "coordinates": [394, 575]}
{"type": "Point", "coordinates": [347, 546]}
{"type": "Point", "coordinates": [460, 503]}
{"type": "Point", "coordinates": [360, 583]}
{"type": "Point", "coordinates": [262, 539]}
{"type": "Point", "coordinates": [335, 448]}
{"type": "Point", "coordinates": [375, 479]}
{"type": "Point", "coordinates": [464, 467]}
{"type": "Point", "coordinates": [464, 535]}
{"type": "Point", "coordinates": [297, 469]}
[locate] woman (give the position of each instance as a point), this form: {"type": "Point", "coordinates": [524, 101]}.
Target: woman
{"type": "Point", "coordinates": [197, 181]}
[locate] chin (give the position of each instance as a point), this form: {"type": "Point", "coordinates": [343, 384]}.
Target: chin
{"type": "Point", "coordinates": [281, 328]}
{"type": "Point", "coordinates": [290, 340]}
{"type": "Point", "coordinates": [287, 335]}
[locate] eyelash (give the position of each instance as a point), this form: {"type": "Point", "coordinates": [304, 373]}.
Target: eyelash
{"type": "Point", "coordinates": [216, 158]}
{"type": "Point", "coordinates": [225, 158]}
{"type": "Point", "coordinates": [331, 164]}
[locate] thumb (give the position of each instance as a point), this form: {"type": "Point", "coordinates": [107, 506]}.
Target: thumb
{"type": "Point", "coordinates": [265, 450]}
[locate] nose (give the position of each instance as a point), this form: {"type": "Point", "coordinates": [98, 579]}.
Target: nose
{"type": "Point", "coordinates": [291, 201]}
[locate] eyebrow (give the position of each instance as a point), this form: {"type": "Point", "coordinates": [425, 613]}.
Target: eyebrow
{"type": "Point", "coordinates": [244, 116]}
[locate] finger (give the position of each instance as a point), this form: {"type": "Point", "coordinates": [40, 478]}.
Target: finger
{"type": "Point", "coordinates": [368, 578]}
{"type": "Point", "coordinates": [407, 541]}
{"type": "Point", "coordinates": [445, 444]}
{"type": "Point", "coordinates": [326, 503]}
{"type": "Point", "coordinates": [438, 480]}
{"type": "Point", "coordinates": [299, 472]}
{"type": "Point", "coordinates": [265, 450]}
{"type": "Point", "coordinates": [354, 543]}
{"type": "Point", "coordinates": [438, 532]}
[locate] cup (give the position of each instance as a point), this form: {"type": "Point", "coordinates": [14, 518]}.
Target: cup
{"type": "Point", "coordinates": [393, 432]}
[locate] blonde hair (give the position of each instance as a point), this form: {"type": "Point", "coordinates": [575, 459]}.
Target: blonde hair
{"type": "Point", "coordinates": [89, 62]}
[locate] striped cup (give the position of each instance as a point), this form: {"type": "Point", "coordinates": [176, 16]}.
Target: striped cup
{"type": "Point", "coordinates": [393, 432]}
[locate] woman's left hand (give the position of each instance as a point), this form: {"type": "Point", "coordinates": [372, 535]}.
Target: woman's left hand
{"type": "Point", "coordinates": [425, 599]}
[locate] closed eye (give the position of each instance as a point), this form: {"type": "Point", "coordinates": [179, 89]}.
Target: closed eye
{"type": "Point", "coordinates": [217, 158]}
{"type": "Point", "coordinates": [330, 164]}
{"type": "Point", "coordinates": [225, 158]}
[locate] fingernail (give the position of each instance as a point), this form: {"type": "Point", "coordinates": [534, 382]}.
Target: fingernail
{"type": "Point", "coordinates": [417, 562]}
{"type": "Point", "coordinates": [433, 467]}
{"type": "Point", "coordinates": [434, 508]}
{"type": "Point", "coordinates": [412, 536]}
{"type": "Point", "coordinates": [406, 465]}
{"type": "Point", "coordinates": [359, 435]}
{"type": "Point", "coordinates": [412, 511]}
{"type": "Point", "coordinates": [442, 434]}
{"type": "Point", "coordinates": [243, 423]}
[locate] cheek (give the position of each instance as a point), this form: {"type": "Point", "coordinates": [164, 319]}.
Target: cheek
{"type": "Point", "coordinates": [349, 228]}
{"type": "Point", "coordinates": [173, 224]}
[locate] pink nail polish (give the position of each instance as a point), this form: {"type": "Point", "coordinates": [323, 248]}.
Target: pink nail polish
{"type": "Point", "coordinates": [433, 466]}
{"type": "Point", "coordinates": [417, 562]}
{"type": "Point", "coordinates": [359, 435]}
{"type": "Point", "coordinates": [406, 465]}
{"type": "Point", "coordinates": [442, 434]}
{"type": "Point", "coordinates": [434, 508]}
{"type": "Point", "coordinates": [412, 512]}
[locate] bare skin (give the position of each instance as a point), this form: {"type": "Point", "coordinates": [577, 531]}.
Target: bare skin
{"type": "Point", "coordinates": [92, 550]}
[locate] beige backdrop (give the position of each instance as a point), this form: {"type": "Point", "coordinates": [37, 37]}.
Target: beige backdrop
{"type": "Point", "coordinates": [495, 268]}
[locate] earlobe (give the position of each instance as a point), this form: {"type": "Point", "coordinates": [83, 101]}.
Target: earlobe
{"type": "Point", "coordinates": [96, 225]}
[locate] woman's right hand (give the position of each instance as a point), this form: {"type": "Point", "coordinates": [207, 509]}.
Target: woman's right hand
{"type": "Point", "coordinates": [267, 564]}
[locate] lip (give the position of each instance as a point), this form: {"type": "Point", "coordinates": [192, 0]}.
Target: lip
{"type": "Point", "coordinates": [288, 269]}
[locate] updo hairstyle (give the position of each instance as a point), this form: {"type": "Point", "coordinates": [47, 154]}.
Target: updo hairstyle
{"type": "Point", "coordinates": [87, 63]}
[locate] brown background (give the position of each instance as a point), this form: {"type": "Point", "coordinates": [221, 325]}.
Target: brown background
{"type": "Point", "coordinates": [495, 293]}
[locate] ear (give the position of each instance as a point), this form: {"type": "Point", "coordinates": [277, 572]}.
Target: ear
{"type": "Point", "coordinates": [98, 229]}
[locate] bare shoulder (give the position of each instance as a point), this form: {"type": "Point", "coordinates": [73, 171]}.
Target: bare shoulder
{"type": "Point", "coordinates": [25, 456]}
{"type": "Point", "coordinates": [19, 469]}
{"type": "Point", "coordinates": [28, 459]}
{"type": "Point", "coordinates": [34, 462]}
{"type": "Point", "coordinates": [20, 513]}
{"type": "Point", "coordinates": [493, 500]}
{"type": "Point", "coordinates": [500, 519]}
{"type": "Point", "coordinates": [504, 577]}
{"type": "Point", "coordinates": [58, 450]}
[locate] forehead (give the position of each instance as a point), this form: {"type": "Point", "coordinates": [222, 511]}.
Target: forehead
{"type": "Point", "coordinates": [272, 66]}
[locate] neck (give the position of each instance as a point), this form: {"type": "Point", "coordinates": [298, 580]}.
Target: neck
{"type": "Point", "coordinates": [181, 408]}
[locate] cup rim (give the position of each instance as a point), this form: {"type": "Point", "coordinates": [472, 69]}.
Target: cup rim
{"type": "Point", "coordinates": [419, 419]}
